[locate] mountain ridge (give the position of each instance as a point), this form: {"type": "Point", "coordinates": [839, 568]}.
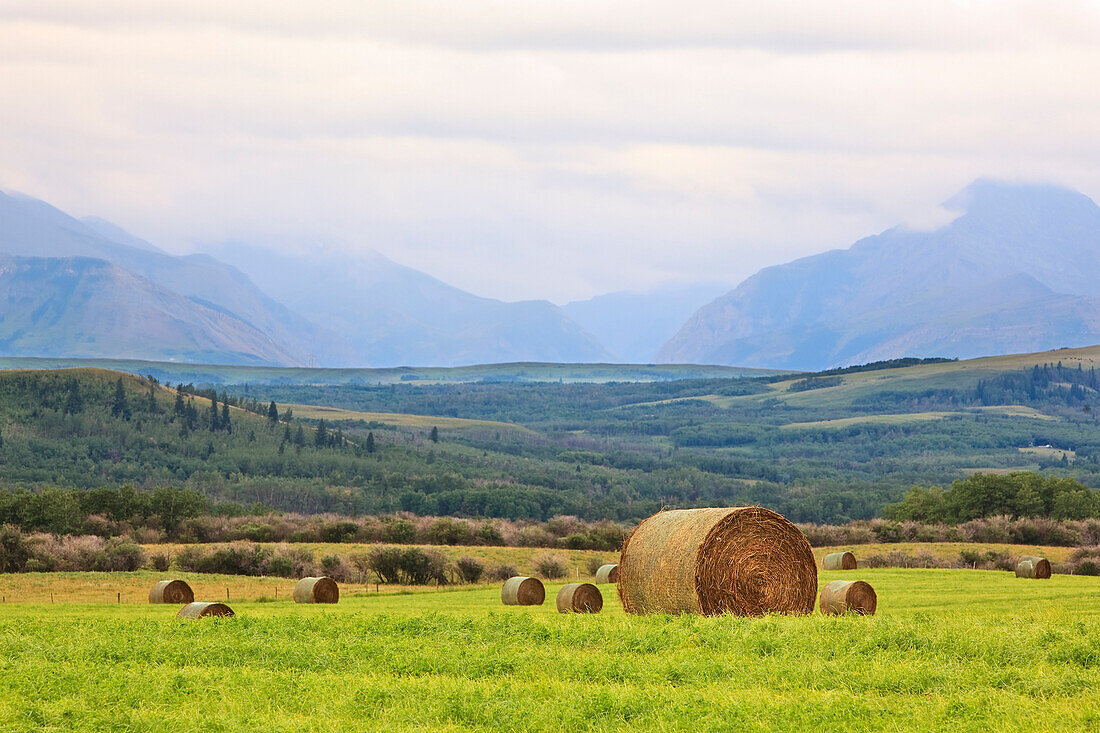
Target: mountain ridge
{"type": "Point", "coordinates": [901, 292]}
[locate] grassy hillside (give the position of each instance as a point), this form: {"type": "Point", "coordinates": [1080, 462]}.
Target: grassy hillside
{"type": "Point", "coordinates": [219, 374]}
{"type": "Point", "coordinates": [959, 650]}
{"type": "Point", "coordinates": [819, 448]}
{"type": "Point", "coordinates": [923, 378]}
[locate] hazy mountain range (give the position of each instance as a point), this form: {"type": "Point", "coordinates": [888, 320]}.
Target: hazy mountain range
{"type": "Point", "coordinates": [1015, 271]}
{"type": "Point", "coordinates": [88, 288]}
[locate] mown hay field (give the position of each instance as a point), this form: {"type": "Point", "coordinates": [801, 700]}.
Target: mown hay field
{"type": "Point", "coordinates": [948, 649]}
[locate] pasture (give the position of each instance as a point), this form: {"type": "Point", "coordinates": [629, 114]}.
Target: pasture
{"type": "Point", "coordinates": [949, 649]}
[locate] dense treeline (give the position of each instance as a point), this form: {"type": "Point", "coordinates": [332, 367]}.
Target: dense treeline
{"type": "Point", "coordinates": [1022, 494]}
{"type": "Point", "coordinates": [617, 452]}
{"type": "Point", "coordinates": [182, 515]}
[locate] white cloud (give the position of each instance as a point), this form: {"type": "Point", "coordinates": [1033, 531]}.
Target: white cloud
{"type": "Point", "coordinates": [531, 149]}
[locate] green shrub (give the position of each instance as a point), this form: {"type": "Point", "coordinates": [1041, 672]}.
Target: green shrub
{"type": "Point", "coordinates": [470, 569]}
{"type": "Point", "coordinates": [550, 566]}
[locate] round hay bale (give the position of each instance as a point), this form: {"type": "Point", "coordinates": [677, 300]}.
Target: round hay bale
{"type": "Point", "coordinates": [608, 574]}
{"type": "Point", "coordinates": [579, 598]}
{"type": "Point", "coordinates": [317, 590]}
{"type": "Point", "coordinates": [203, 610]}
{"type": "Point", "coordinates": [522, 591]}
{"type": "Point", "coordinates": [171, 591]}
{"type": "Point", "coordinates": [1032, 566]}
{"type": "Point", "coordinates": [743, 560]}
{"type": "Point", "coordinates": [842, 596]}
{"type": "Point", "coordinates": [839, 561]}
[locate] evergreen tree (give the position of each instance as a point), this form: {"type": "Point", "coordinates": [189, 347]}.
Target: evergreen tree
{"type": "Point", "coordinates": [151, 404]}
{"type": "Point", "coordinates": [119, 405]}
{"type": "Point", "coordinates": [226, 426]}
{"type": "Point", "coordinates": [370, 442]}
{"type": "Point", "coordinates": [273, 413]}
{"type": "Point", "coordinates": [215, 422]}
{"type": "Point", "coordinates": [435, 434]}
{"type": "Point", "coordinates": [179, 410]}
{"type": "Point", "coordinates": [300, 437]}
{"type": "Point", "coordinates": [74, 402]}
{"type": "Point", "coordinates": [286, 434]}
{"type": "Point", "coordinates": [320, 439]}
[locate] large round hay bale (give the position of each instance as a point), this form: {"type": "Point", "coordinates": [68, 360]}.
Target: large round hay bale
{"type": "Point", "coordinates": [522, 591]}
{"type": "Point", "coordinates": [608, 574]}
{"type": "Point", "coordinates": [1031, 566]}
{"type": "Point", "coordinates": [317, 590]}
{"type": "Point", "coordinates": [202, 610]}
{"type": "Point", "coordinates": [579, 598]}
{"type": "Point", "coordinates": [842, 596]}
{"type": "Point", "coordinates": [743, 560]}
{"type": "Point", "coordinates": [839, 561]}
{"type": "Point", "coordinates": [171, 591]}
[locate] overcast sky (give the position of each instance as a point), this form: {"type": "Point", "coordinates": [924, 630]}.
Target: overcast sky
{"type": "Point", "coordinates": [553, 149]}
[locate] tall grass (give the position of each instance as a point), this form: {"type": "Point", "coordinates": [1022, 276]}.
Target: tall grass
{"type": "Point", "coordinates": [950, 650]}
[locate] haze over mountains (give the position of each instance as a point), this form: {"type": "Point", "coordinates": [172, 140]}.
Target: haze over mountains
{"type": "Point", "coordinates": [394, 315]}
{"type": "Point", "coordinates": [1016, 271]}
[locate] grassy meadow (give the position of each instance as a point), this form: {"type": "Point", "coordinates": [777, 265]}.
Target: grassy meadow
{"type": "Point", "coordinates": [949, 649]}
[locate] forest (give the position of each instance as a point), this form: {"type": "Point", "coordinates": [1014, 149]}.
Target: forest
{"type": "Point", "coordinates": [615, 451]}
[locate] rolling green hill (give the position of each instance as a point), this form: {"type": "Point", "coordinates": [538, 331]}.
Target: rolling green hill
{"type": "Point", "coordinates": [825, 447]}
{"type": "Point", "coordinates": [222, 374]}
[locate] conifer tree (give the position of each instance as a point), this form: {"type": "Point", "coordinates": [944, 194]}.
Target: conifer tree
{"type": "Point", "coordinates": [119, 406]}
{"type": "Point", "coordinates": [215, 422]}
{"type": "Point", "coordinates": [370, 442]}
{"type": "Point", "coordinates": [273, 413]}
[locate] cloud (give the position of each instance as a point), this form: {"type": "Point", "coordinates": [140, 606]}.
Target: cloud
{"type": "Point", "coordinates": [528, 149]}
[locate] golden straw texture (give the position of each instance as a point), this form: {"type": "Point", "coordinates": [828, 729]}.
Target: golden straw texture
{"type": "Point", "coordinates": [203, 610]}
{"type": "Point", "coordinates": [842, 596]}
{"type": "Point", "coordinates": [1031, 566]}
{"type": "Point", "coordinates": [522, 591]}
{"type": "Point", "coordinates": [839, 561]}
{"type": "Point", "coordinates": [171, 591]}
{"type": "Point", "coordinates": [607, 574]}
{"type": "Point", "coordinates": [747, 561]}
{"type": "Point", "coordinates": [317, 590]}
{"type": "Point", "coordinates": [579, 598]}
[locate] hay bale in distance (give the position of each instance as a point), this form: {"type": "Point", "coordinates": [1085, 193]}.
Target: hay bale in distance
{"type": "Point", "coordinates": [839, 561]}
{"type": "Point", "coordinates": [579, 598]}
{"type": "Point", "coordinates": [522, 591]}
{"type": "Point", "coordinates": [743, 560]}
{"type": "Point", "coordinates": [842, 596]}
{"type": "Point", "coordinates": [608, 574]}
{"type": "Point", "coordinates": [1032, 566]}
{"type": "Point", "coordinates": [317, 590]}
{"type": "Point", "coordinates": [171, 591]}
{"type": "Point", "coordinates": [203, 610]}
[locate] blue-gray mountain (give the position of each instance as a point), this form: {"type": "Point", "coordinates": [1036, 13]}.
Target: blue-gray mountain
{"type": "Point", "coordinates": [1017, 271]}
{"type": "Point", "coordinates": [397, 316]}
{"type": "Point", "coordinates": [633, 326]}
{"type": "Point", "coordinates": [122, 296]}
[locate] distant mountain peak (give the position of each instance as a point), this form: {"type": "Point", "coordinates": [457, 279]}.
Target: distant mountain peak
{"type": "Point", "coordinates": [1017, 271]}
{"type": "Point", "coordinates": [1000, 197]}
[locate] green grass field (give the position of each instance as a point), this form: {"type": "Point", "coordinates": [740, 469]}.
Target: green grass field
{"type": "Point", "coordinates": [319, 412]}
{"type": "Point", "coordinates": [958, 650]}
